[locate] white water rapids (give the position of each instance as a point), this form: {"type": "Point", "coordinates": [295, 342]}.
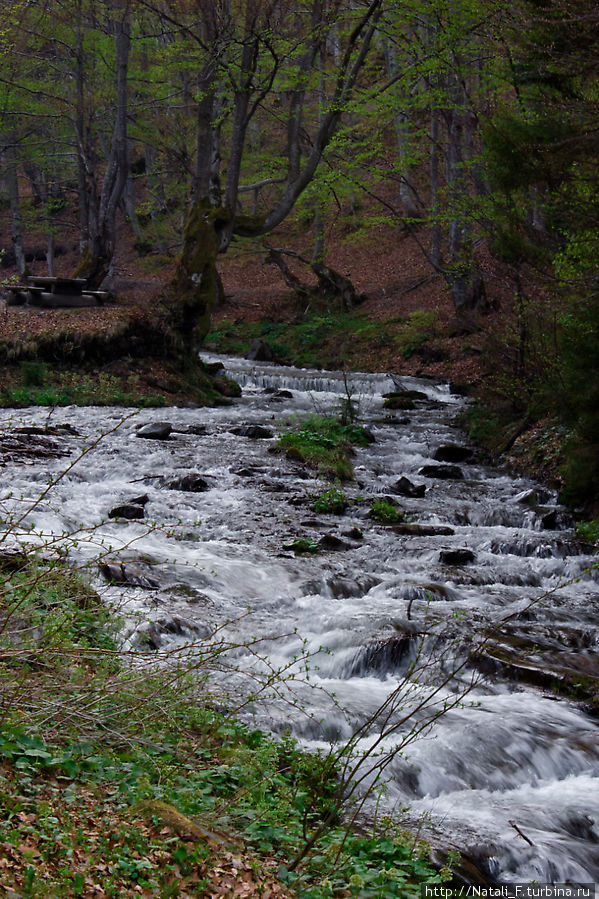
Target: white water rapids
{"type": "Point", "coordinates": [508, 773]}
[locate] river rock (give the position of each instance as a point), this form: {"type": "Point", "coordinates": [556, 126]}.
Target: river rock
{"type": "Point", "coordinates": [399, 401]}
{"type": "Point", "coordinates": [549, 520]}
{"type": "Point", "coordinates": [344, 587]}
{"type": "Point", "coordinates": [533, 497]}
{"type": "Point", "coordinates": [456, 556]}
{"type": "Point", "coordinates": [381, 657]}
{"type": "Point", "coordinates": [332, 543]}
{"type": "Point", "coordinates": [442, 472]}
{"type": "Point", "coordinates": [142, 500]}
{"type": "Point", "coordinates": [188, 483]}
{"type": "Point", "coordinates": [65, 430]}
{"type": "Point", "coordinates": [254, 432]}
{"type": "Point", "coordinates": [260, 351]}
{"type": "Point", "coordinates": [405, 487]}
{"type": "Point", "coordinates": [150, 635]}
{"type": "Point", "coordinates": [353, 534]}
{"type": "Point", "coordinates": [155, 430]}
{"type": "Point", "coordinates": [131, 574]}
{"type": "Point", "coordinates": [423, 530]}
{"type": "Point", "coordinates": [452, 452]}
{"type": "Point", "coordinates": [130, 511]}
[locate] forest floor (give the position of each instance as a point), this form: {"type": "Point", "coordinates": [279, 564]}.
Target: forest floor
{"type": "Point", "coordinates": [412, 327]}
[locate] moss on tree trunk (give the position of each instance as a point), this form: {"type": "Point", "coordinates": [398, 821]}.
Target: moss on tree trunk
{"type": "Point", "coordinates": [191, 296]}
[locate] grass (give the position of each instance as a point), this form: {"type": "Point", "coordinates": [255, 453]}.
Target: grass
{"type": "Point", "coordinates": [37, 385]}
{"type": "Point", "coordinates": [327, 341]}
{"type": "Point", "coordinates": [325, 443]}
{"type": "Point", "coordinates": [122, 782]}
{"type": "Point", "coordinates": [385, 511]}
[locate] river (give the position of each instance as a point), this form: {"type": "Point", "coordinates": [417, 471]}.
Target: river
{"type": "Point", "coordinates": [371, 637]}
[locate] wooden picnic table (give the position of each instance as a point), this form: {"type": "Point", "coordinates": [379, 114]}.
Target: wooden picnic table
{"type": "Point", "coordinates": [64, 286]}
{"type": "Point", "coordinates": [54, 293]}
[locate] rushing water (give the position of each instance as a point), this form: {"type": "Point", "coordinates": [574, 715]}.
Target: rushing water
{"type": "Point", "coordinates": [508, 773]}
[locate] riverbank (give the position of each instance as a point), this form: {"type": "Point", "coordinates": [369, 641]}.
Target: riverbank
{"type": "Point", "coordinates": [120, 779]}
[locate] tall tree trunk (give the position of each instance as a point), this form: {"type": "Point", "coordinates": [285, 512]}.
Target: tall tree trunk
{"type": "Point", "coordinates": [50, 249]}
{"type": "Point", "coordinates": [16, 224]}
{"type": "Point", "coordinates": [79, 125]}
{"type": "Point", "coordinates": [209, 229]}
{"type": "Point", "coordinates": [462, 272]}
{"type": "Point", "coordinates": [103, 208]}
{"type": "Point", "coordinates": [129, 207]}
{"type": "Point", "coordinates": [436, 230]}
{"type": "Point", "coordinates": [407, 194]}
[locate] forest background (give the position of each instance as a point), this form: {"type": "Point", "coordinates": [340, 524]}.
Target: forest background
{"type": "Point", "coordinates": [368, 184]}
{"type": "Point", "coordinates": [401, 185]}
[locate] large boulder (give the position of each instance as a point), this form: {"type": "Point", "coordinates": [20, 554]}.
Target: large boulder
{"type": "Point", "coordinates": [155, 430]}
{"type": "Point", "coordinates": [452, 452]}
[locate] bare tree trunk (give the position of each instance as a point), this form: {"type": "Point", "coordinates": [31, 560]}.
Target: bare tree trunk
{"type": "Point", "coordinates": [102, 208]}
{"type": "Point", "coordinates": [249, 60]}
{"type": "Point", "coordinates": [318, 247]}
{"type": "Point", "coordinates": [129, 207]}
{"type": "Point", "coordinates": [209, 229]}
{"type": "Point", "coordinates": [407, 194]}
{"type": "Point", "coordinates": [16, 225]}
{"type": "Point", "coordinates": [50, 254]}
{"type": "Point", "coordinates": [79, 123]}
{"type": "Point", "coordinates": [462, 272]}
{"type": "Point", "coordinates": [206, 182]}
{"type": "Point", "coordinates": [436, 231]}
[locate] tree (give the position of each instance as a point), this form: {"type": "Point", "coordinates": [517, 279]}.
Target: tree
{"type": "Point", "coordinates": [543, 162]}
{"type": "Point", "coordinates": [274, 48]}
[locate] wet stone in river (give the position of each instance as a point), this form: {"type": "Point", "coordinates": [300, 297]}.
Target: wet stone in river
{"type": "Point", "coordinates": [452, 452]}
{"type": "Point", "coordinates": [442, 472]}
{"type": "Point", "coordinates": [405, 487]}
{"type": "Point", "coordinates": [156, 430]}
{"type": "Point", "coordinates": [188, 483]}
{"type": "Point", "coordinates": [254, 432]}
